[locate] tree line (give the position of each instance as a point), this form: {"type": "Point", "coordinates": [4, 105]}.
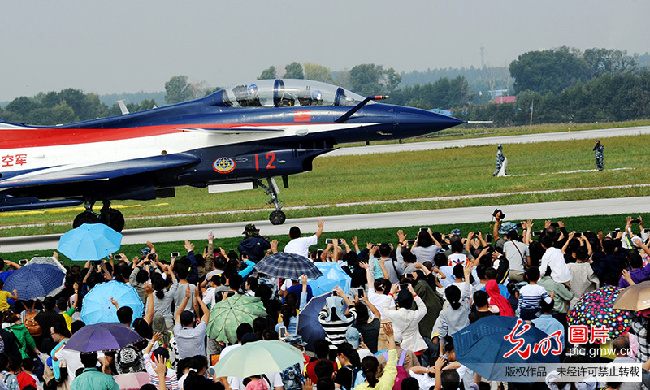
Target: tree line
{"type": "Point", "coordinates": [556, 85]}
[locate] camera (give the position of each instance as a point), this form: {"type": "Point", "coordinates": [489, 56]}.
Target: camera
{"type": "Point", "coordinates": [22, 262]}
{"type": "Point", "coordinates": [410, 242]}
{"type": "Point", "coordinates": [424, 229]}
{"type": "Point", "coordinates": [151, 256]}
{"type": "Point", "coordinates": [488, 238]}
{"type": "Point", "coordinates": [555, 224]}
{"type": "Point", "coordinates": [497, 211]}
{"type": "Point", "coordinates": [538, 233]}
{"type": "Point", "coordinates": [145, 251]}
{"type": "Point", "coordinates": [636, 220]}
{"type": "Point", "coordinates": [577, 234]}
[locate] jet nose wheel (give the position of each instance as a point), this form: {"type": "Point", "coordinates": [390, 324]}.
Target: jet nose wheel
{"type": "Point", "coordinates": [277, 217]}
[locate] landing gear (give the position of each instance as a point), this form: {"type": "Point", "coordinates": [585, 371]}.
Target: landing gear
{"type": "Point", "coordinates": [109, 217]}
{"type": "Point", "coordinates": [278, 216]}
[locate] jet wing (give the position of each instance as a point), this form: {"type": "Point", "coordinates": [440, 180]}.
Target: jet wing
{"type": "Point", "coordinates": [105, 171]}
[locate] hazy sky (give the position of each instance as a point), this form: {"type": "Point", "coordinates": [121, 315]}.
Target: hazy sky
{"type": "Point", "coordinates": [130, 46]}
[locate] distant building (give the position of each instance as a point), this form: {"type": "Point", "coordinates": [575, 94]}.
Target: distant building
{"type": "Point", "coordinates": [505, 99]}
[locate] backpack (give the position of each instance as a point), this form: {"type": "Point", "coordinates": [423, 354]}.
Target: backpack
{"type": "Point", "coordinates": [32, 326]}
{"type": "Point", "coordinates": [401, 372]}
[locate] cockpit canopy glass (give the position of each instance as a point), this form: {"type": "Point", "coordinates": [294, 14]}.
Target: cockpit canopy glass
{"type": "Point", "coordinates": [287, 93]}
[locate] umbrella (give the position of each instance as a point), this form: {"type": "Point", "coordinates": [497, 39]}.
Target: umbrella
{"type": "Point", "coordinates": [308, 326]}
{"type": "Point", "coordinates": [596, 308]}
{"type": "Point", "coordinates": [481, 346]}
{"type": "Point", "coordinates": [258, 358]}
{"type": "Point", "coordinates": [333, 275]}
{"type": "Point", "coordinates": [97, 306]}
{"type": "Point", "coordinates": [90, 241]}
{"type": "Point", "coordinates": [102, 336]}
{"type": "Point", "coordinates": [635, 297]}
{"type": "Point", "coordinates": [287, 265]}
{"type": "Point", "coordinates": [132, 381]}
{"type": "Point", "coordinates": [47, 260]}
{"type": "Point", "coordinates": [35, 281]}
{"type": "Point", "coordinates": [227, 315]}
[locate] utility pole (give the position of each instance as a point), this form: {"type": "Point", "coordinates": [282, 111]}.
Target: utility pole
{"type": "Point", "coordinates": [482, 50]}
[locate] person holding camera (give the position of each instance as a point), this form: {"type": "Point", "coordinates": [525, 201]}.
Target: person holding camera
{"type": "Point", "coordinates": [518, 256]}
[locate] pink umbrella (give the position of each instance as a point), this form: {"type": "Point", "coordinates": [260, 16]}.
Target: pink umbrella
{"type": "Point", "coordinates": [133, 381]}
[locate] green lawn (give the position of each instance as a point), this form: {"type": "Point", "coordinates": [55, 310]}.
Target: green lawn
{"type": "Point", "coordinates": [407, 175]}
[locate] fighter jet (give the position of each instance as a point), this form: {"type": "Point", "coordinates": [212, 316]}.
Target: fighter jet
{"type": "Point", "coordinates": [243, 136]}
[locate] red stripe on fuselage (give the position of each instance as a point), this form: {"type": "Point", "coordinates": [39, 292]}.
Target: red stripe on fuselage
{"type": "Point", "coordinates": [38, 137]}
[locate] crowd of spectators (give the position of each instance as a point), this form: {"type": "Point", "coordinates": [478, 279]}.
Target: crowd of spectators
{"type": "Point", "coordinates": [392, 329]}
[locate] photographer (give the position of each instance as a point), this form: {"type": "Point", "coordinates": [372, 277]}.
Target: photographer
{"type": "Point", "coordinates": [517, 254]}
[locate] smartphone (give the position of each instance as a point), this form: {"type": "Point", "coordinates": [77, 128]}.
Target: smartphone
{"type": "Point", "coordinates": [577, 234]}
{"type": "Point", "coordinates": [22, 262]}
{"type": "Point", "coordinates": [360, 293]}
{"type": "Point", "coordinates": [210, 372]}
{"type": "Point", "coordinates": [410, 242]}
{"type": "Point", "coordinates": [175, 255]}
{"type": "Point", "coordinates": [340, 241]}
{"type": "Point", "coordinates": [282, 332]}
{"type": "Point", "coordinates": [488, 238]}
{"type": "Point", "coordinates": [329, 241]}
{"type": "Point", "coordinates": [424, 229]}
{"type": "Point", "coordinates": [319, 253]}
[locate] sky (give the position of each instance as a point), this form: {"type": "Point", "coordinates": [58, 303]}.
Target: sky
{"type": "Point", "coordinates": [130, 46]}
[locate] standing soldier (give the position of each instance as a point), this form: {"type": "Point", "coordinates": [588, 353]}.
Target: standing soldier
{"type": "Point", "coordinates": [501, 161]}
{"type": "Point", "coordinates": [598, 149]}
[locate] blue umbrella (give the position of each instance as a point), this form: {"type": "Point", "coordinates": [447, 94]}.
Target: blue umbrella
{"type": "Point", "coordinates": [102, 337]}
{"type": "Point", "coordinates": [481, 346]}
{"type": "Point", "coordinates": [97, 306]}
{"type": "Point", "coordinates": [36, 281]}
{"type": "Point", "coordinates": [287, 265]}
{"type": "Point", "coordinates": [90, 241]}
{"type": "Point", "coordinates": [308, 326]}
{"type": "Point", "coordinates": [333, 275]}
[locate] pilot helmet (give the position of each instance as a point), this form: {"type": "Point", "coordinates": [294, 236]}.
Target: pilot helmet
{"type": "Point", "coordinates": [252, 89]}
{"type": "Point", "coordinates": [317, 94]}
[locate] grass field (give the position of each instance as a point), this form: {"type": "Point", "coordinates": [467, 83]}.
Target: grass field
{"type": "Point", "coordinates": [397, 176]}
{"type": "Point", "coordinates": [594, 223]}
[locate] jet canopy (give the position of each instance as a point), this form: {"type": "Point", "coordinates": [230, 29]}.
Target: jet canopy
{"type": "Point", "coordinates": [287, 93]}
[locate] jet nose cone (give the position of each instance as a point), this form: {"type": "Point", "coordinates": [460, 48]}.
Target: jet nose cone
{"type": "Point", "coordinates": [417, 122]}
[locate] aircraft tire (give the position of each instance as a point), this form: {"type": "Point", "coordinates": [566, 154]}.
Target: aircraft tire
{"type": "Point", "coordinates": [277, 217]}
{"type": "Point", "coordinates": [85, 217]}
{"type": "Point", "coordinates": [113, 219]}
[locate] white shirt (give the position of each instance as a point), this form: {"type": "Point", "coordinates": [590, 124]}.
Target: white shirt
{"type": "Point", "coordinates": [554, 259]}
{"type": "Point", "coordinates": [379, 300]}
{"type": "Point", "coordinates": [300, 245]}
{"type": "Point", "coordinates": [512, 250]}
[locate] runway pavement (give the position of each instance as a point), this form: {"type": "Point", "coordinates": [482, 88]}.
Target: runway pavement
{"type": "Point", "coordinates": [550, 210]}
{"type": "Point", "coordinates": [503, 140]}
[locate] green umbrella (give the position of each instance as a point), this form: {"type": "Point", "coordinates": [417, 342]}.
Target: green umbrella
{"type": "Point", "coordinates": [258, 358]}
{"type": "Point", "coordinates": [227, 315]}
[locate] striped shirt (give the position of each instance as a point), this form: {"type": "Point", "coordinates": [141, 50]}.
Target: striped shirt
{"type": "Point", "coordinates": [170, 378]}
{"type": "Point", "coordinates": [335, 330]}
{"type": "Point", "coordinates": [529, 296]}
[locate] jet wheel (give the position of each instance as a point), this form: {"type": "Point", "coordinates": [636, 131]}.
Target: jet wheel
{"type": "Point", "coordinates": [278, 217]}
{"type": "Point", "coordinates": [113, 219]}
{"type": "Point", "coordinates": [85, 217]}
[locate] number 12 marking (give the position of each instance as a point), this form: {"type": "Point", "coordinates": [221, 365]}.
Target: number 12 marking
{"type": "Point", "coordinates": [270, 157]}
